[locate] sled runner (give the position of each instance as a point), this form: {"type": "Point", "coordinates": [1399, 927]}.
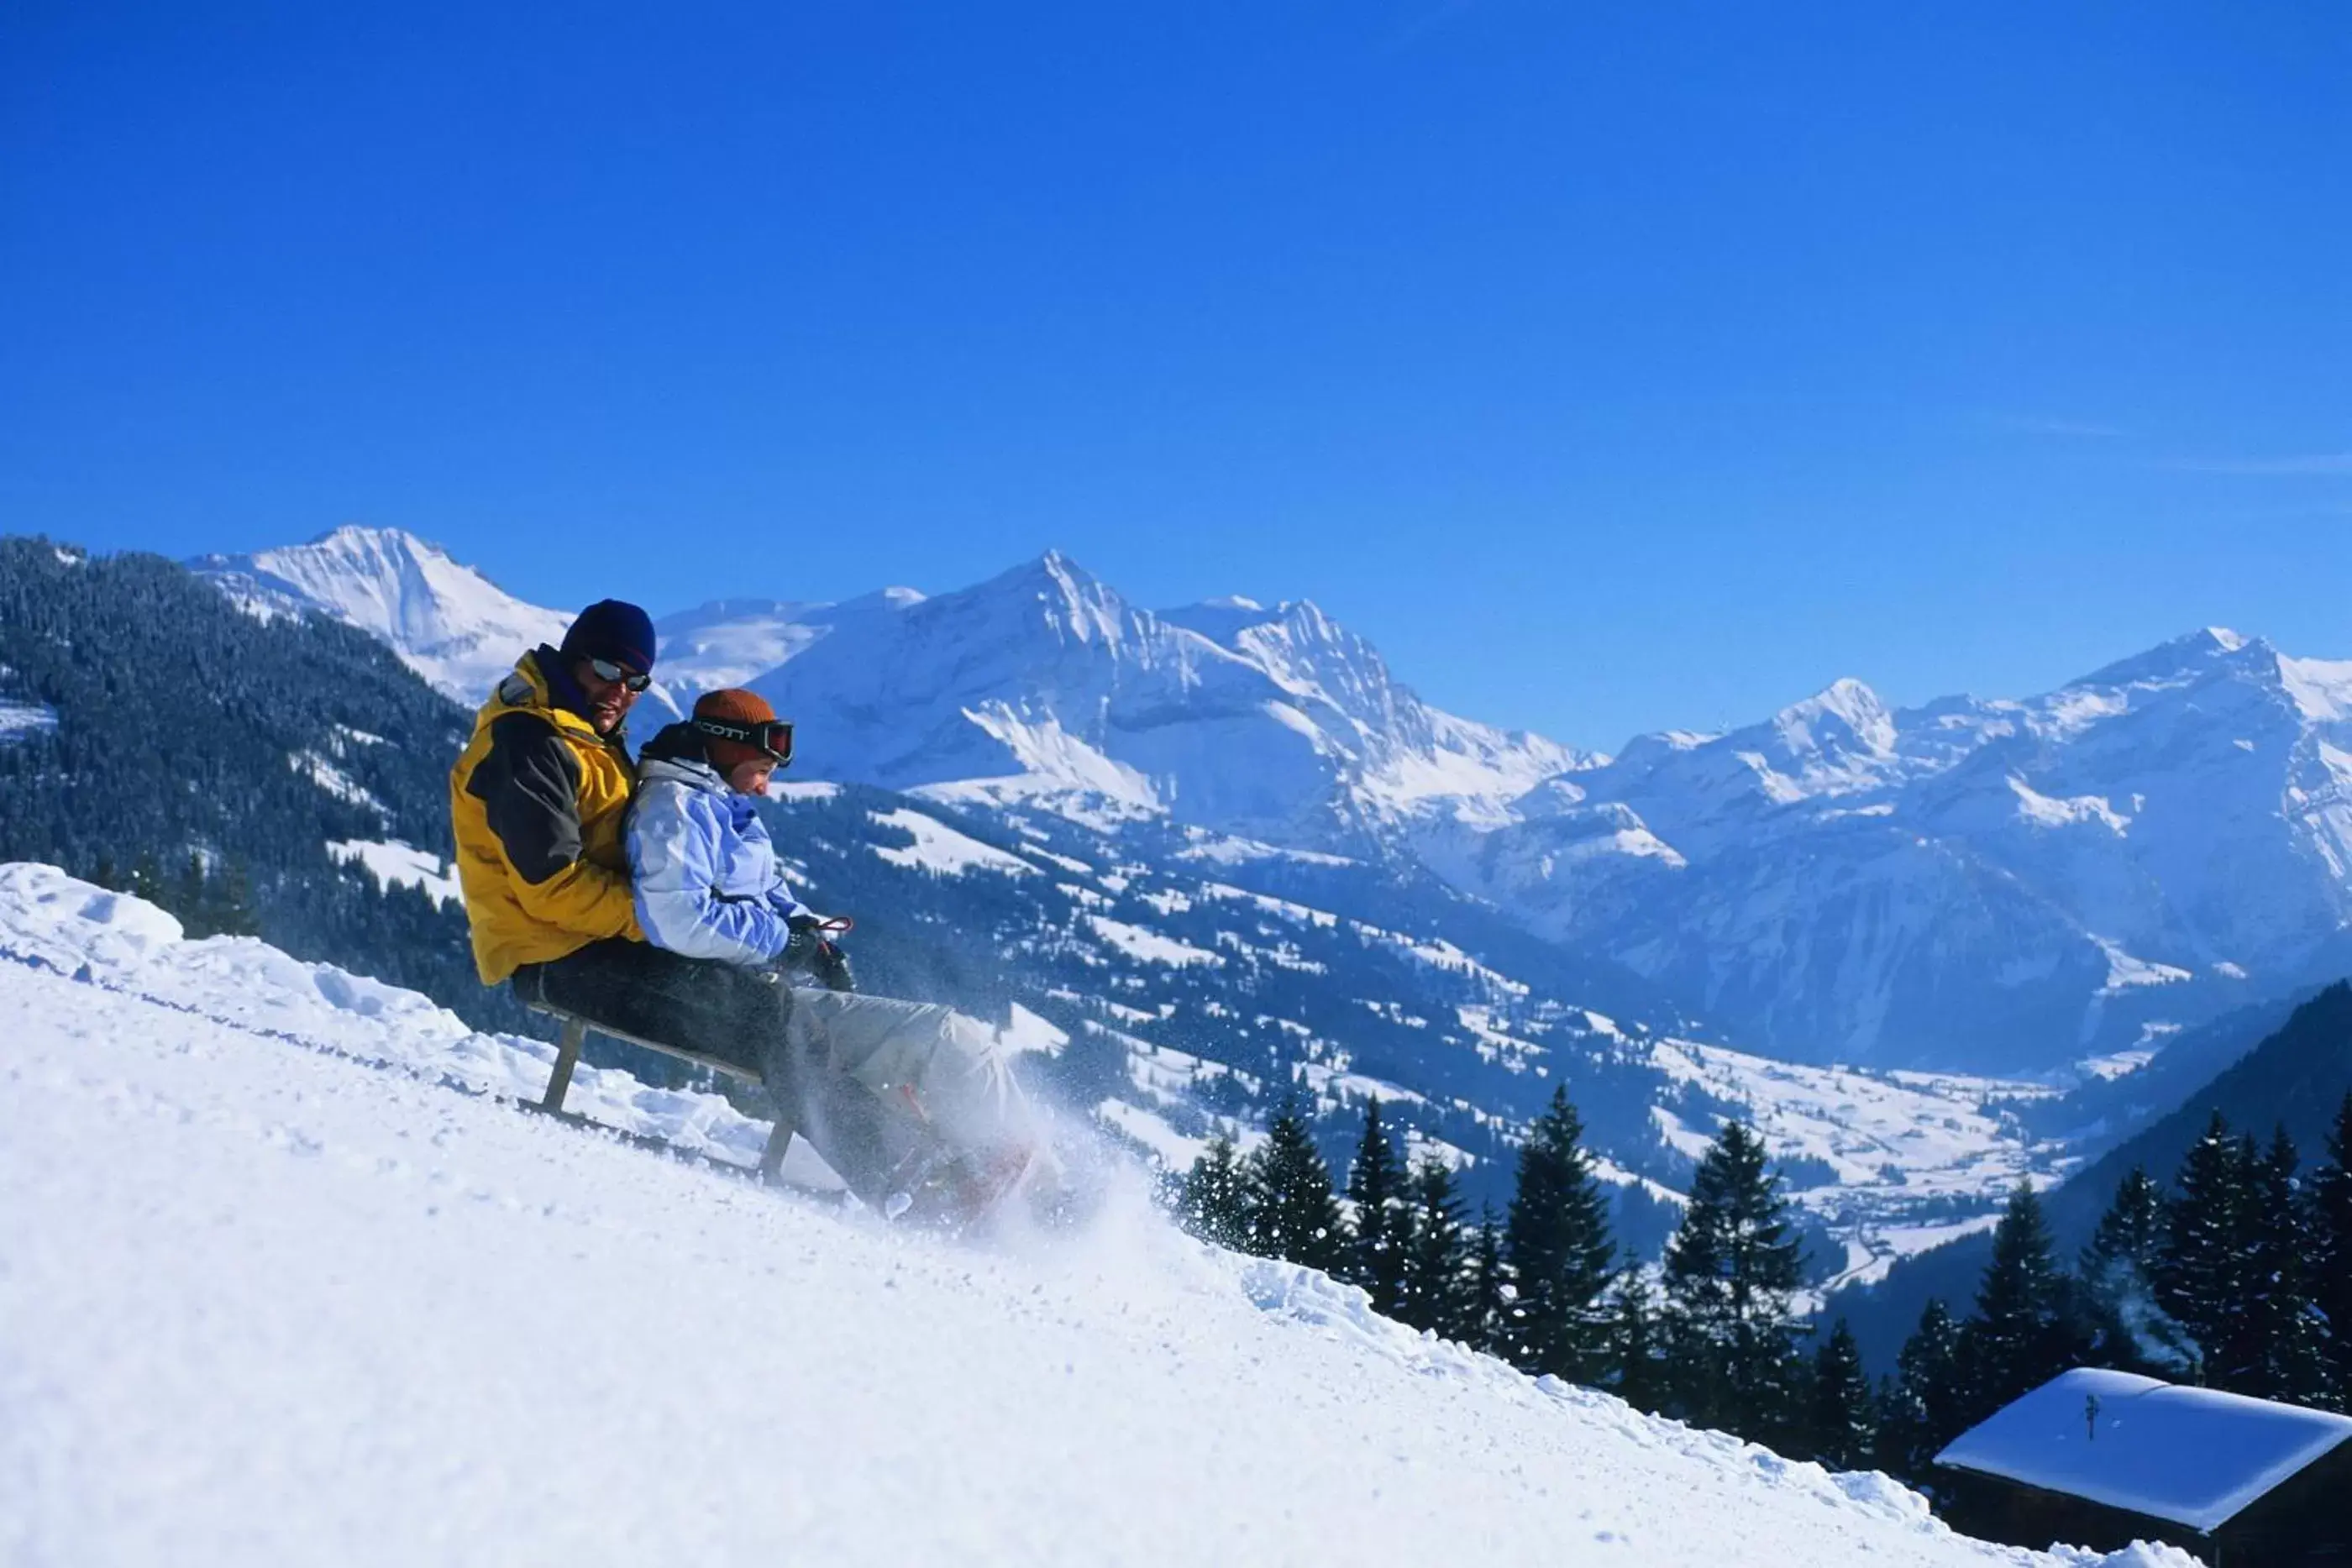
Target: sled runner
{"type": "Point", "coordinates": [574, 1035]}
{"type": "Point", "coordinates": [964, 1135]}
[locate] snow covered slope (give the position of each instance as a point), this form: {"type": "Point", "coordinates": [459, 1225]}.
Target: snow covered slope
{"type": "Point", "coordinates": [284, 1283]}
{"type": "Point", "coordinates": [1988, 883]}
{"type": "Point", "coordinates": [734, 642]}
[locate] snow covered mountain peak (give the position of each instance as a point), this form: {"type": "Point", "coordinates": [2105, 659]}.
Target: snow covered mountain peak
{"type": "Point", "coordinates": [447, 622]}
{"type": "Point", "coordinates": [1276, 724]}
{"type": "Point", "coordinates": [1307, 652]}
{"type": "Point", "coordinates": [1845, 704]}
{"type": "Point", "coordinates": [1845, 735]}
{"type": "Point", "coordinates": [2193, 656]}
{"type": "Point", "coordinates": [1073, 602]}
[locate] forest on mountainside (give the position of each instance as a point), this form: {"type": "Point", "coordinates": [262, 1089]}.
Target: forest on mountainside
{"type": "Point", "coordinates": [205, 758]}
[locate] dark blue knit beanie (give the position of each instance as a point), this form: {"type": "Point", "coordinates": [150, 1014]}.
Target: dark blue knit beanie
{"type": "Point", "coordinates": [611, 629]}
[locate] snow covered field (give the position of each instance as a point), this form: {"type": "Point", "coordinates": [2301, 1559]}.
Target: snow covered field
{"type": "Point", "coordinates": [1905, 1147]}
{"type": "Point", "coordinates": [402, 866]}
{"type": "Point", "coordinates": [282, 1281]}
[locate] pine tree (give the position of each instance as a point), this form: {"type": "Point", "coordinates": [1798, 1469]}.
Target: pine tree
{"type": "Point", "coordinates": [1486, 1302]}
{"type": "Point", "coordinates": [1924, 1407]}
{"type": "Point", "coordinates": [1730, 1270]}
{"type": "Point", "coordinates": [2288, 1358]}
{"type": "Point", "coordinates": [2202, 1279]}
{"type": "Point", "coordinates": [232, 910]}
{"type": "Point", "coordinates": [2022, 1335]}
{"type": "Point", "coordinates": [1636, 1373]}
{"type": "Point", "coordinates": [1558, 1240]}
{"type": "Point", "coordinates": [1292, 1211]}
{"type": "Point", "coordinates": [184, 896]}
{"type": "Point", "coordinates": [1376, 1248]}
{"type": "Point", "coordinates": [2330, 1218]}
{"type": "Point", "coordinates": [1842, 1425]}
{"type": "Point", "coordinates": [1435, 1279]}
{"type": "Point", "coordinates": [2118, 1271]}
{"type": "Point", "coordinates": [1213, 1201]}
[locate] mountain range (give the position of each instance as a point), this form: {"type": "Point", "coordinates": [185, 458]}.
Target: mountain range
{"type": "Point", "coordinates": [2002, 885]}
{"type": "Point", "coordinates": [1994, 883]}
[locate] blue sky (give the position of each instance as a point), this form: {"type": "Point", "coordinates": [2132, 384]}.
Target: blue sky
{"type": "Point", "coordinates": [1612, 367]}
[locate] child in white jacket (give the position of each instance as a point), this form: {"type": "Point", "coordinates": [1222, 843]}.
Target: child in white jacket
{"type": "Point", "coordinates": [897, 1097]}
{"type": "Point", "coordinates": [702, 870]}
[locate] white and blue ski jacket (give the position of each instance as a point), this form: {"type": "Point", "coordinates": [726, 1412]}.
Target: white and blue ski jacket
{"type": "Point", "coordinates": [702, 868]}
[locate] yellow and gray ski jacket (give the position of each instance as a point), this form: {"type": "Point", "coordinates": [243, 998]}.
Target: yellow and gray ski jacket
{"type": "Point", "coordinates": [537, 799]}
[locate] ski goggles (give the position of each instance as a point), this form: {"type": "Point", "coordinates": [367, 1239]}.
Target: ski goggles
{"type": "Point", "coordinates": [773, 737]}
{"type": "Point", "coordinates": [619, 675]}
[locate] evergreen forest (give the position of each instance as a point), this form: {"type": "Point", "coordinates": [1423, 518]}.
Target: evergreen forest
{"type": "Point", "coordinates": [2235, 1274]}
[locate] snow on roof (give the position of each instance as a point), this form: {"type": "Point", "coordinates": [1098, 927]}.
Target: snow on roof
{"type": "Point", "coordinates": [2194, 1456]}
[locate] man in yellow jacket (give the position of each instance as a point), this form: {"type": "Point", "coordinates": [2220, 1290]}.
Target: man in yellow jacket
{"type": "Point", "coordinates": [538, 796]}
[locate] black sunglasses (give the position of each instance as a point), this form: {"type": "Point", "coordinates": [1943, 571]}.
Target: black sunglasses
{"type": "Point", "coordinates": [774, 737]}
{"type": "Point", "coordinates": [605, 670]}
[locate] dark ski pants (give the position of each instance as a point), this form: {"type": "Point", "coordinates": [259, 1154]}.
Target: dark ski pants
{"type": "Point", "coordinates": [737, 1015]}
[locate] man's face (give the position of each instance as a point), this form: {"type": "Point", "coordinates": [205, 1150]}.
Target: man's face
{"type": "Point", "coordinates": [608, 701]}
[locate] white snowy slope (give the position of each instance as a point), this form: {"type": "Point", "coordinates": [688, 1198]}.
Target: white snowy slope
{"type": "Point", "coordinates": [734, 642]}
{"type": "Point", "coordinates": [1044, 684]}
{"type": "Point", "coordinates": [2000, 883]}
{"type": "Point", "coordinates": [281, 1283]}
{"type": "Point", "coordinates": [397, 865]}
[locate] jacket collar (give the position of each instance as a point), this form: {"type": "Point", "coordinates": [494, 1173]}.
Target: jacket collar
{"type": "Point", "coordinates": [530, 688]}
{"type": "Point", "coordinates": [677, 754]}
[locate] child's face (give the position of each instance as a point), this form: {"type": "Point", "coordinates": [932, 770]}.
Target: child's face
{"type": "Point", "coordinates": [750, 777]}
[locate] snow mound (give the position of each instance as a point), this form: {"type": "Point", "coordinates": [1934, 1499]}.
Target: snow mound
{"type": "Point", "coordinates": [283, 1283]}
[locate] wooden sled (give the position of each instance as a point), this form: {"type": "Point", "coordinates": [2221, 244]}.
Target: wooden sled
{"type": "Point", "coordinates": [567, 1057]}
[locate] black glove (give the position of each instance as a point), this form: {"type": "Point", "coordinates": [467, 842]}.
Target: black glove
{"type": "Point", "coordinates": [832, 969]}
{"type": "Point", "coordinates": [810, 952]}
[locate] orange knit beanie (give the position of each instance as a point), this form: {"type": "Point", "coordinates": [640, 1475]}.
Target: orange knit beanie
{"type": "Point", "coordinates": [735, 706]}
